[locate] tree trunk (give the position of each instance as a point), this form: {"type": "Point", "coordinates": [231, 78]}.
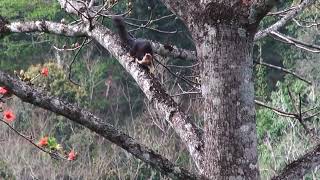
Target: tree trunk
{"type": "Point", "coordinates": [229, 113]}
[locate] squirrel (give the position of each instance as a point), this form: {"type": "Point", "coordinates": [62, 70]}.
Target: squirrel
{"type": "Point", "coordinates": [139, 49]}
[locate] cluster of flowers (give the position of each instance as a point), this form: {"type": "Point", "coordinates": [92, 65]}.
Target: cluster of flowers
{"type": "Point", "coordinates": [51, 143]}
{"type": "Point", "coordinates": [44, 142]}
{"type": "Point", "coordinates": [8, 114]}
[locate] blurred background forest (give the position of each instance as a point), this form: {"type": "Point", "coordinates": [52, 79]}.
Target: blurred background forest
{"type": "Point", "coordinates": [108, 91]}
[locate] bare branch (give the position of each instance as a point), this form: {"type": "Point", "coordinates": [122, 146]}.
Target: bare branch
{"type": "Point", "coordinates": [290, 15]}
{"type": "Point", "coordinates": [73, 6]}
{"type": "Point", "coordinates": [295, 42]}
{"type": "Point", "coordinates": [55, 155]}
{"type": "Point", "coordinates": [185, 93]}
{"type": "Point", "coordinates": [153, 20]}
{"type": "Point", "coordinates": [282, 12]}
{"type": "Point", "coordinates": [148, 24]}
{"type": "Point", "coordinates": [298, 115]}
{"type": "Point", "coordinates": [277, 111]}
{"type": "Point", "coordinates": [303, 165]}
{"type": "Point", "coordinates": [72, 48]}
{"type": "Point", "coordinates": [186, 80]}
{"type": "Point", "coordinates": [150, 28]}
{"type": "Point", "coordinates": [173, 51]}
{"type": "Point", "coordinates": [85, 118]}
{"type": "Point", "coordinates": [91, 3]}
{"type": "Point", "coordinates": [80, 31]}
{"type": "Point", "coordinates": [182, 8]}
{"type": "Point", "coordinates": [72, 62]}
{"type": "Point", "coordinates": [284, 70]}
{"type": "Point", "coordinates": [306, 25]}
{"type": "Point", "coordinates": [176, 66]}
{"type": "Point", "coordinates": [46, 26]}
{"type": "Point", "coordinates": [312, 115]}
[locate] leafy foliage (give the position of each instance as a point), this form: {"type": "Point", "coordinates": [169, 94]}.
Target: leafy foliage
{"type": "Point", "coordinates": [57, 83]}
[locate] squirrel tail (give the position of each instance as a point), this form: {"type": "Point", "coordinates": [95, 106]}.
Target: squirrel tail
{"type": "Point", "coordinates": [125, 37]}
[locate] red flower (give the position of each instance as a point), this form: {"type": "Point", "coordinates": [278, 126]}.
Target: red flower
{"type": "Point", "coordinates": [8, 116]}
{"type": "Point", "coordinates": [43, 141]}
{"type": "Point", "coordinates": [3, 90]}
{"type": "Point", "coordinates": [45, 71]}
{"type": "Point", "coordinates": [72, 155]}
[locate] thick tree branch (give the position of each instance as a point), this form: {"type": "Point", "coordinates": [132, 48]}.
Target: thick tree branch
{"type": "Point", "coordinates": [45, 26]}
{"type": "Point", "coordinates": [173, 51]}
{"type": "Point", "coordinates": [290, 15]}
{"type": "Point", "coordinates": [85, 118]}
{"type": "Point", "coordinates": [303, 165]}
{"type": "Point", "coordinates": [80, 31]}
{"type": "Point", "coordinates": [187, 131]}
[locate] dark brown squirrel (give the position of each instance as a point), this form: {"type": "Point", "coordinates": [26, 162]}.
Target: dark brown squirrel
{"type": "Point", "coordinates": [139, 49]}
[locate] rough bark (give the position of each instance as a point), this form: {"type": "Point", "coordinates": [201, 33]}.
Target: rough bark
{"type": "Point", "coordinates": [224, 39]}
{"type": "Point", "coordinates": [229, 117]}
{"type": "Point", "coordinates": [173, 51]}
{"type": "Point", "coordinates": [45, 26]}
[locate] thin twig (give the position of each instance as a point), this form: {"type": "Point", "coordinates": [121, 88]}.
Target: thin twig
{"type": "Point", "coordinates": [295, 42]}
{"type": "Point", "coordinates": [185, 93]}
{"type": "Point", "coordinates": [52, 154]}
{"type": "Point", "coordinates": [292, 100]}
{"type": "Point", "coordinates": [80, 13]}
{"type": "Point", "coordinates": [311, 116]}
{"type": "Point", "coordinates": [311, 109]}
{"type": "Point", "coordinates": [189, 82]}
{"type": "Point", "coordinates": [281, 12]}
{"type": "Point", "coordinates": [306, 26]}
{"type": "Point", "coordinates": [153, 29]}
{"type": "Point", "coordinates": [277, 111]}
{"type": "Point", "coordinates": [73, 60]}
{"type": "Point", "coordinates": [175, 66]}
{"type": "Point", "coordinates": [71, 49]}
{"type": "Point", "coordinates": [284, 70]}
{"type": "Point", "coordinates": [300, 119]}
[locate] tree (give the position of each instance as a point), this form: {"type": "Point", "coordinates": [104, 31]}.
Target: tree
{"type": "Point", "coordinates": [224, 33]}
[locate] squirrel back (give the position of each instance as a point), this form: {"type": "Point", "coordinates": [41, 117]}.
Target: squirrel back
{"type": "Point", "coordinates": [138, 48]}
